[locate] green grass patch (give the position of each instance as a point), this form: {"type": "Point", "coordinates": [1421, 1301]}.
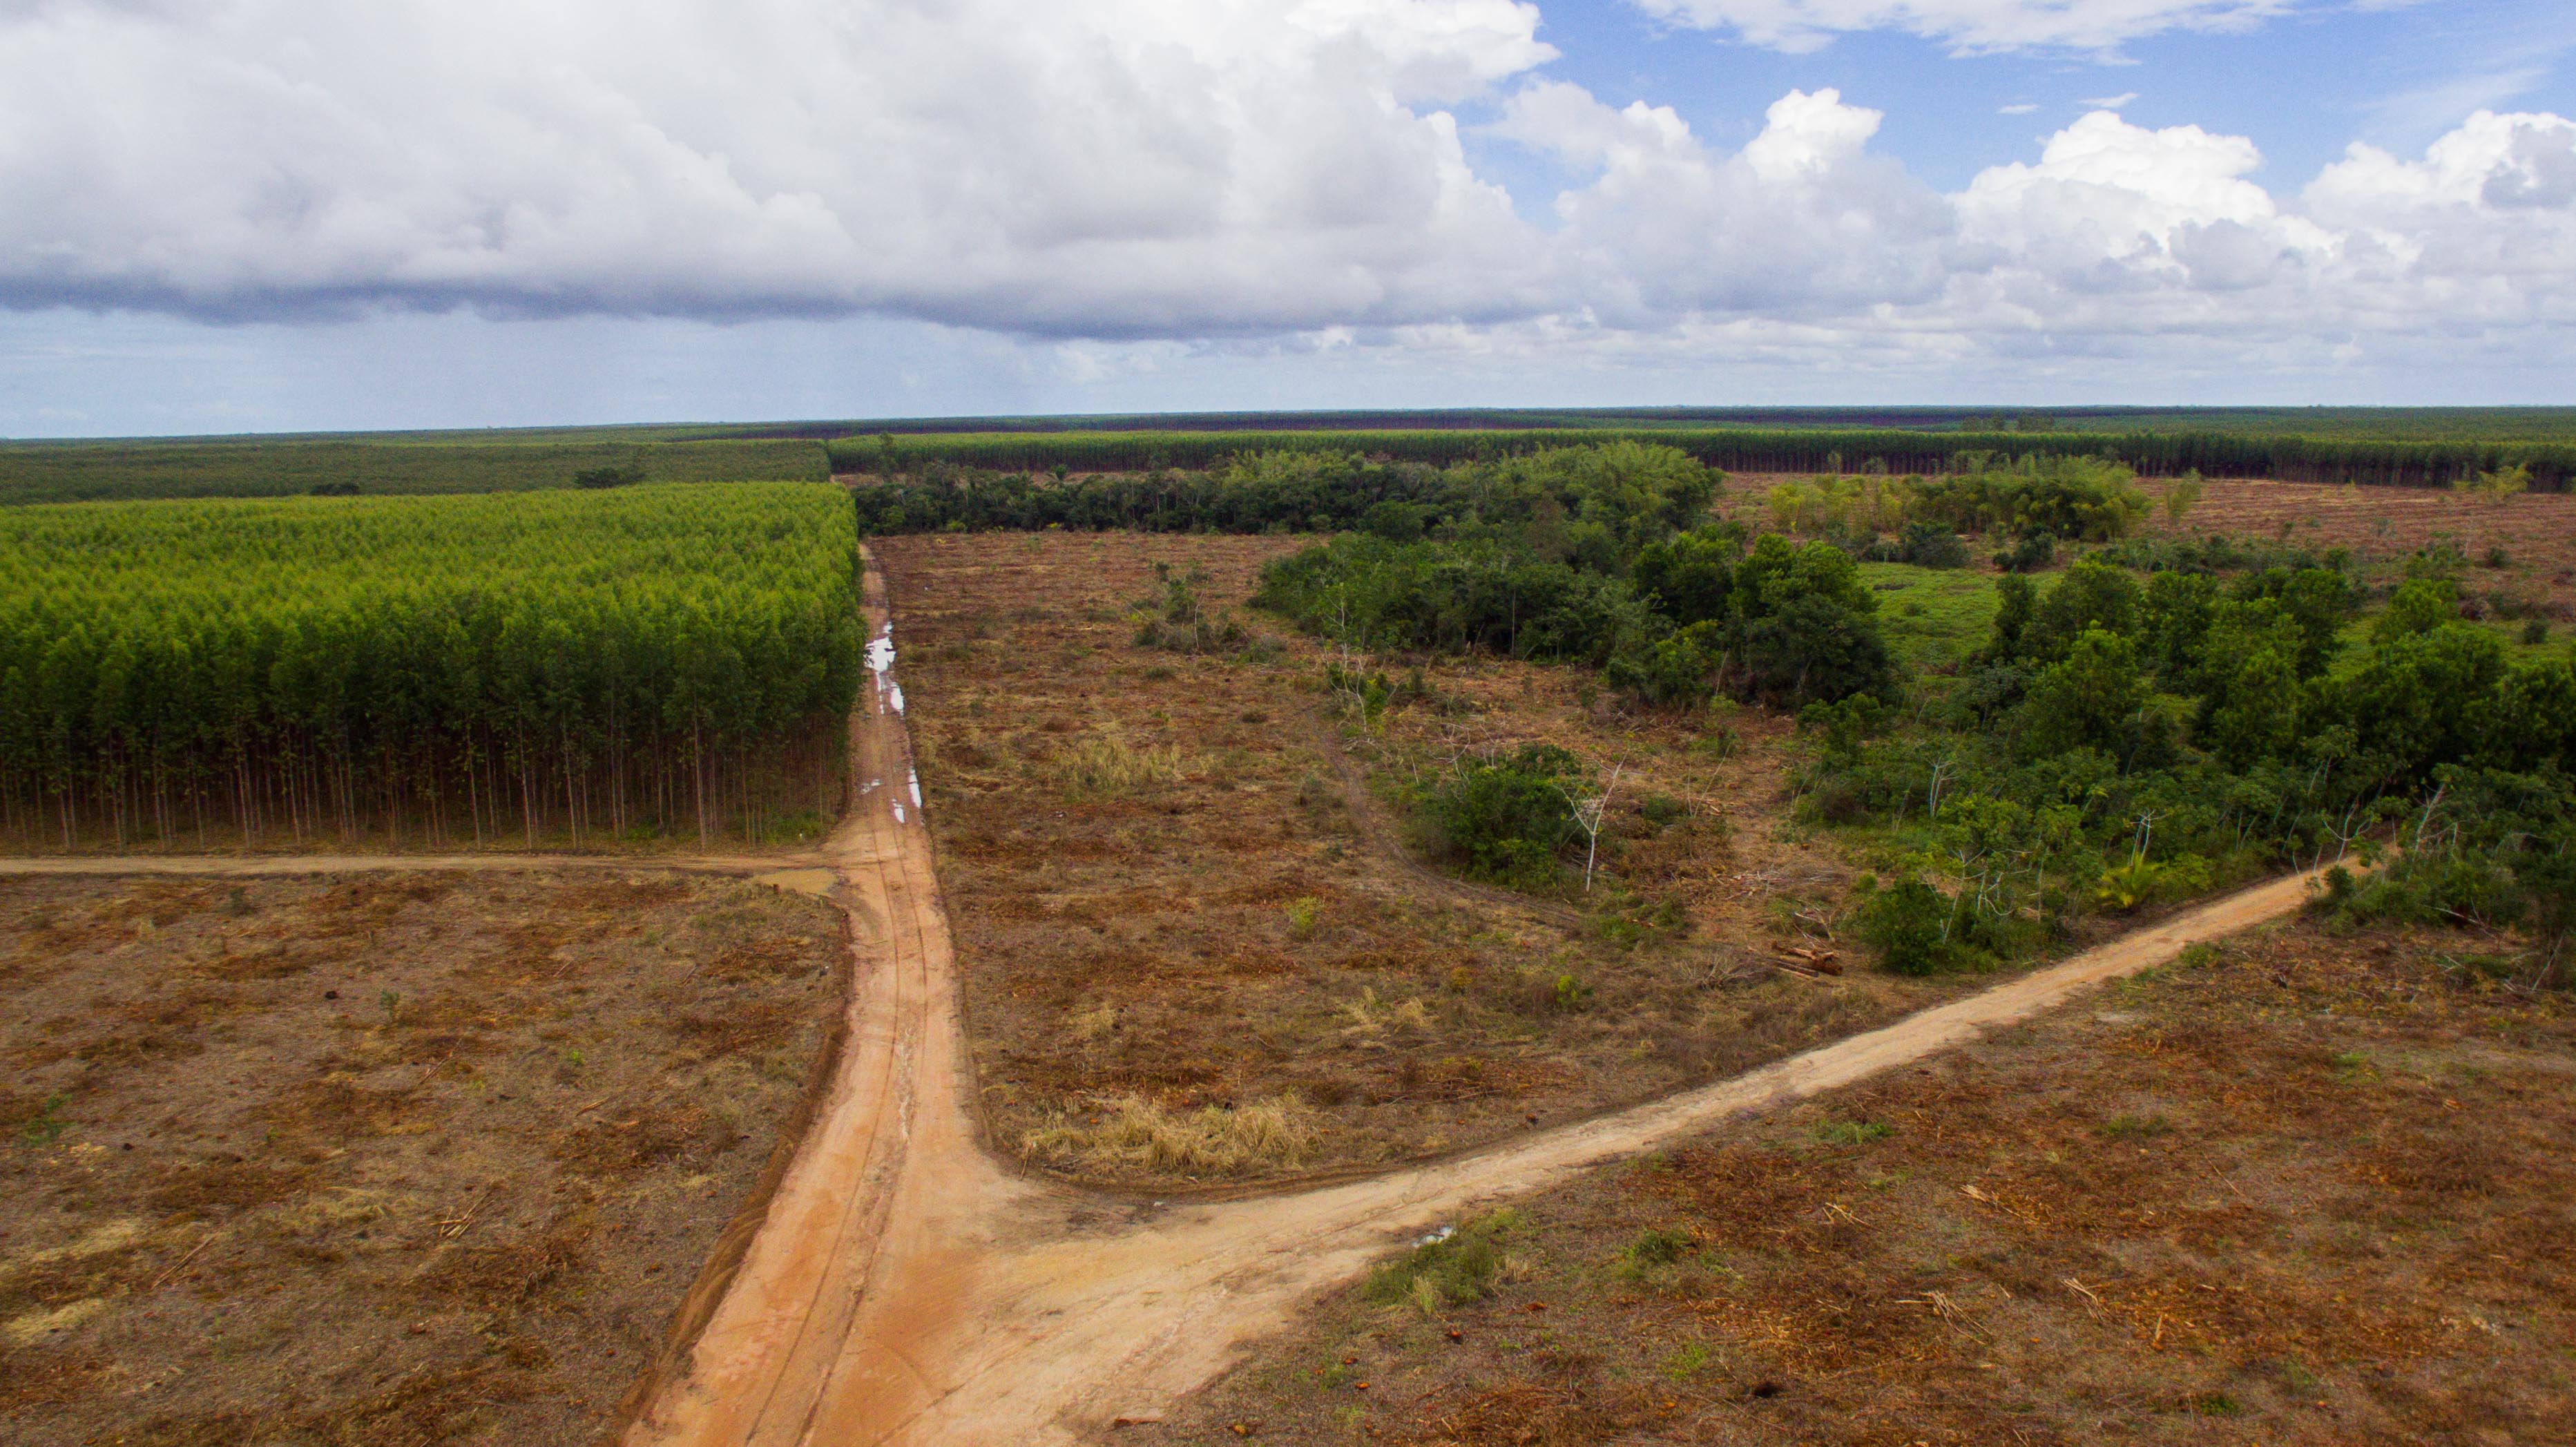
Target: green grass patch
{"type": "Point", "coordinates": [1932, 617]}
{"type": "Point", "coordinates": [1853, 1132]}
{"type": "Point", "coordinates": [1452, 1271]}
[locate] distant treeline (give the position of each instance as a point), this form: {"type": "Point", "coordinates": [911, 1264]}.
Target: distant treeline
{"type": "Point", "coordinates": [1283, 490]}
{"type": "Point", "coordinates": [2374, 462]}
{"type": "Point", "coordinates": [283, 467]}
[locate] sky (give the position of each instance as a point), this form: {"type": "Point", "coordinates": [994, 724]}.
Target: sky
{"type": "Point", "coordinates": [284, 215]}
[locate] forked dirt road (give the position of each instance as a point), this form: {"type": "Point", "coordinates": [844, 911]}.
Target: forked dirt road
{"type": "Point", "coordinates": [906, 1288]}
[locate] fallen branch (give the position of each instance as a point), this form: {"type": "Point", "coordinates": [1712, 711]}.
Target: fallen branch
{"type": "Point", "coordinates": [452, 1227]}
{"type": "Point", "coordinates": [202, 1243]}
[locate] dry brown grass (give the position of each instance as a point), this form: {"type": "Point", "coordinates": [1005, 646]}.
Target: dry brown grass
{"type": "Point", "coordinates": [1133, 1134]}
{"type": "Point", "coordinates": [2317, 1190]}
{"type": "Point", "coordinates": [1108, 766]}
{"type": "Point", "coordinates": [1187, 879]}
{"type": "Point", "coordinates": [387, 1160]}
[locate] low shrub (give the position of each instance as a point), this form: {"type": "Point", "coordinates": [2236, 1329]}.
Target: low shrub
{"type": "Point", "coordinates": [2031, 553]}
{"type": "Point", "coordinates": [1909, 923]}
{"type": "Point", "coordinates": [1504, 821]}
{"type": "Point", "coordinates": [1451, 1270]}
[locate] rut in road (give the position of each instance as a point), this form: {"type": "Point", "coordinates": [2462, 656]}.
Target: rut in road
{"type": "Point", "coordinates": [907, 1288]}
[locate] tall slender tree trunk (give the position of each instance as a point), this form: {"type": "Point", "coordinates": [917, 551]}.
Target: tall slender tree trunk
{"type": "Point", "coordinates": [698, 760]}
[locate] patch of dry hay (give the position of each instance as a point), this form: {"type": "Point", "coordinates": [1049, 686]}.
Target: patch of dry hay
{"type": "Point", "coordinates": [1267, 1135]}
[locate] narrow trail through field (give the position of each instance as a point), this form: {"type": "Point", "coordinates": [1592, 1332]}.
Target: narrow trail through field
{"type": "Point", "coordinates": [1378, 835]}
{"type": "Point", "coordinates": [907, 1288]}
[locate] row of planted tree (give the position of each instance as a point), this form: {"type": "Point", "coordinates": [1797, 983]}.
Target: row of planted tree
{"type": "Point", "coordinates": [2363, 460]}
{"type": "Point", "coordinates": [521, 668]}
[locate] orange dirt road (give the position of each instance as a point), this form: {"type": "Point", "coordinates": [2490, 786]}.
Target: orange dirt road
{"type": "Point", "coordinates": [906, 1288]}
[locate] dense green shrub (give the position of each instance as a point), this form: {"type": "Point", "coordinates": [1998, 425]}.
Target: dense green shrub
{"type": "Point", "coordinates": [2029, 553]}
{"type": "Point", "coordinates": [2093, 697]}
{"type": "Point", "coordinates": [1690, 577]}
{"type": "Point", "coordinates": [1909, 923]}
{"type": "Point", "coordinates": [1487, 595]}
{"type": "Point", "coordinates": [1505, 820]}
{"type": "Point", "coordinates": [1929, 545]}
{"type": "Point", "coordinates": [2088, 499]}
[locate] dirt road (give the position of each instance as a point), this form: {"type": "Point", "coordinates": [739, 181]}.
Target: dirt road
{"type": "Point", "coordinates": [908, 1289]}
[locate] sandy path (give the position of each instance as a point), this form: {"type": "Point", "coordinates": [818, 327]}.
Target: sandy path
{"type": "Point", "coordinates": [908, 1289]}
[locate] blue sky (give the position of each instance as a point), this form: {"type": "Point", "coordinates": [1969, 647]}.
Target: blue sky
{"type": "Point", "coordinates": [279, 215]}
{"type": "Point", "coordinates": [2302, 87]}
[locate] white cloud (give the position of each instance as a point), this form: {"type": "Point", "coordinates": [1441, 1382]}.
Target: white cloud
{"type": "Point", "coordinates": [1802, 219]}
{"type": "Point", "coordinates": [2112, 102]}
{"type": "Point", "coordinates": [1966, 26]}
{"type": "Point", "coordinates": [1113, 165]}
{"type": "Point", "coordinates": [1139, 181]}
{"type": "Point", "coordinates": [2020, 108]}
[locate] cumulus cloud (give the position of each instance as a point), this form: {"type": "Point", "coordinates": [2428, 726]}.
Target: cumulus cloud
{"type": "Point", "coordinates": [1161, 174]}
{"type": "Point", "coordinates": [1801, 220]}
{"type": "Point", "coordinates": [1097, 167]}
{"type": "Point", "coordinates": [1966, 26]}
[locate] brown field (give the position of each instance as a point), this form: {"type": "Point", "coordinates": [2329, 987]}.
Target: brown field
{"type": "Point", "coordinates": [2381, 525]}
{"type": "Point", "coordinates": [1196, 944]}
{"type": "Point", "coordinates": [2299, 1189]}
{"type": "Point", "coordinates": [399, 1158]}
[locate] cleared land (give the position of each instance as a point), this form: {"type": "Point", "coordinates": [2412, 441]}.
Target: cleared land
{"type": "Point", "coordinates": [1196, 943]}
{"type": "Point", "coordinates": [2380, 525]}
{"type": "Point", "coordinates": [1201, 943]}
{"type": "Point", "coordinates": [2536, 531]}
{"type": "Point", "coordinates": [2299, 1188]}
{"type": "Point", "coordinates": [390, 1159]}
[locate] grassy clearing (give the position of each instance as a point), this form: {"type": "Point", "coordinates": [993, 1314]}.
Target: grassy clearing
{"type": "Point", "coordinates": [1933, 618]}
{"type": "Point", "coordinates": [2307, 1188]}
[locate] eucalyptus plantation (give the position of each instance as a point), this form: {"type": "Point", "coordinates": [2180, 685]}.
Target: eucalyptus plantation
{"type": "Point", "coordinates": [488, 669]}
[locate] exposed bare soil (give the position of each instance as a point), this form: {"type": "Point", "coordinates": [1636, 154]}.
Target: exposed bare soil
{"type": "Point", "coordinates": [2380, 525]}
{"type": "Point", "coordinates": [2536, 531]}
{"type": "Point", "coordinates": [2300, 1189]}
{"type": "Point", "coordinates": [399, 1158]}
{"type": "Point", "coordinates": [1236, 966]}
